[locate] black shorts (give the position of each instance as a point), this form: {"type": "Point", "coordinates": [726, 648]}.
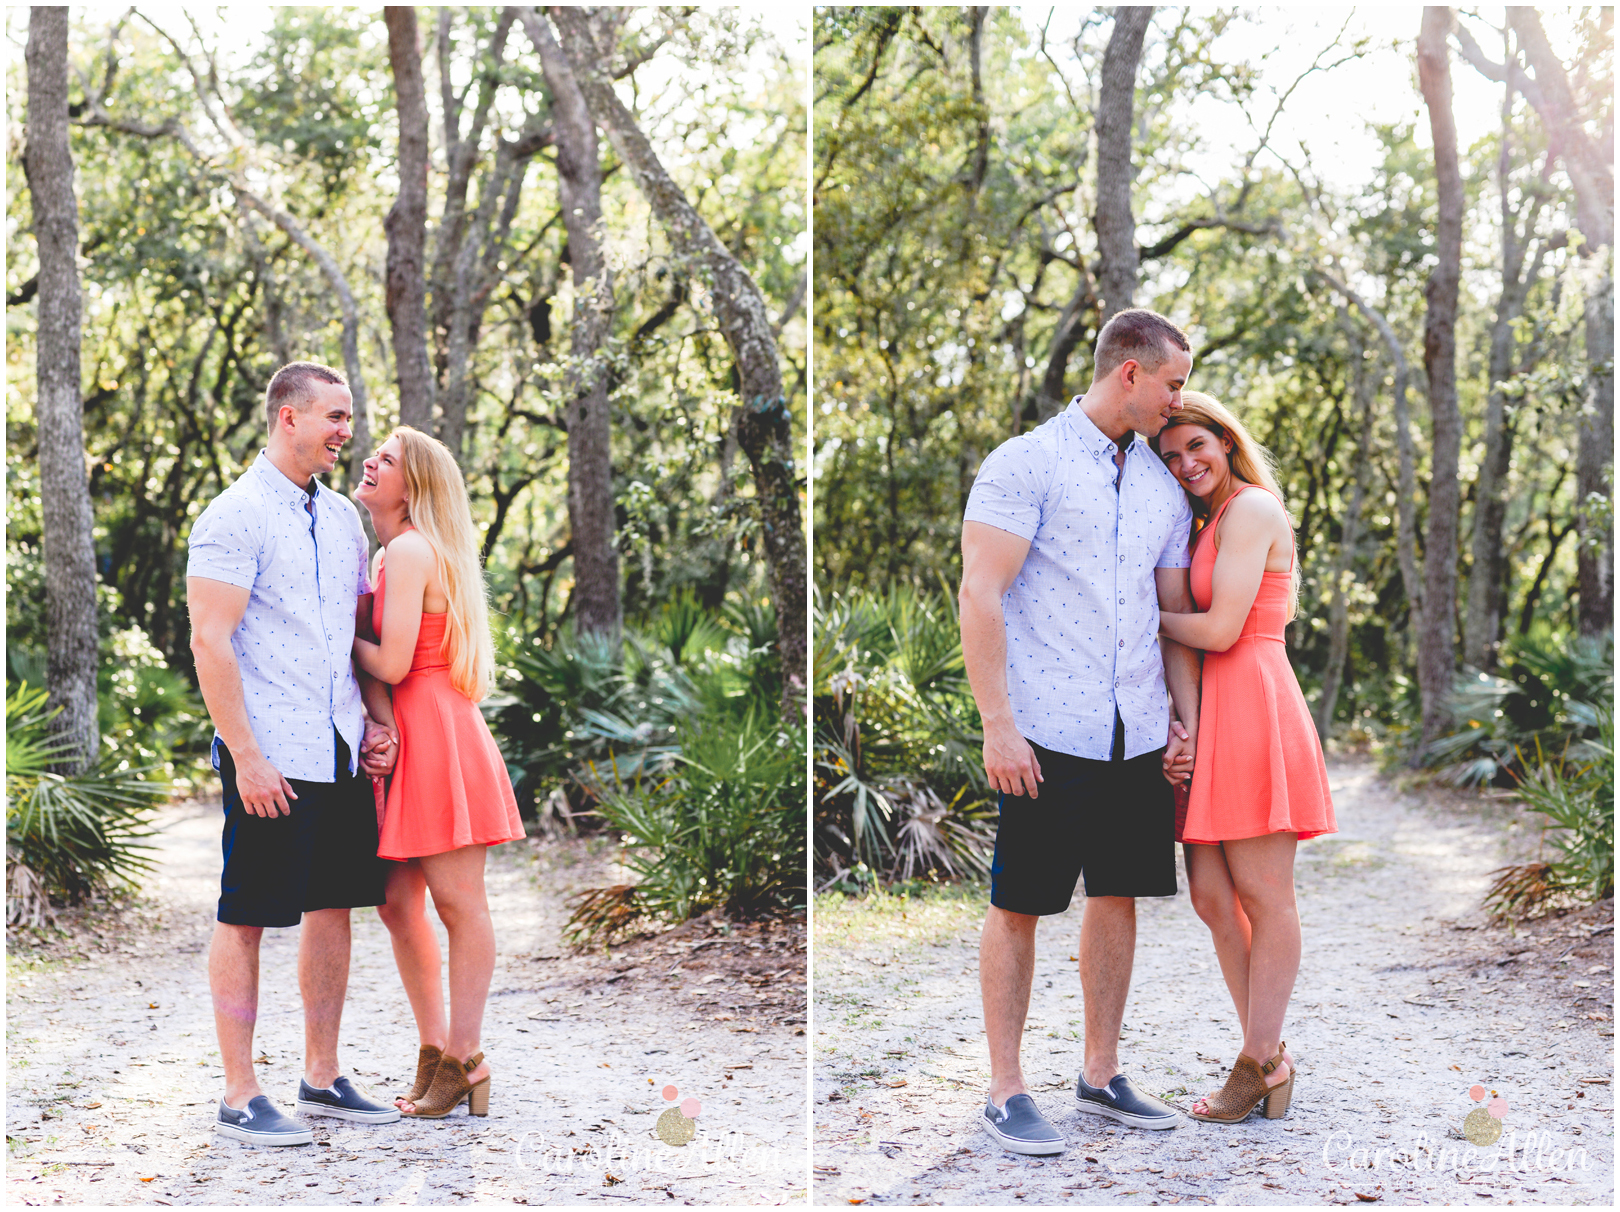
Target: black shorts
{"type": "Point", "coordinates": [1113, 822]}
{"type": "Point", "coordinates": [323, 856]}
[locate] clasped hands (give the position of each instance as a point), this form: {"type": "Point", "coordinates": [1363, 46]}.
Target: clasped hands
{"type": "Point", "coordinates": [1011, 766]}
{"type": "Point", "coordinates": [379, 749]}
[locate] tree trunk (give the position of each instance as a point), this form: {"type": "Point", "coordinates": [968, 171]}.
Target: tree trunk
{"type": "Point", "coordinates": [1349, 534]}
{"type": "Point", "coordinates": [406, 225]}
{"type": "Point", "coordinates": [1116, 103]}
{"type": "Point", "coordinates": [461, 155]}
{"type": "Point", "coordinates": [764, 427]}
{"type": "Point", "coordinates": [1437, 641]}
{"type": "Point", "coordinates": [1406, 456]}
{"type": "Point", "coordinates": [590, 436]}
{"type": "Point", "coordinates": [1590, 164]}
{"type": "Point", "coordinates": [70, 558]}
{"type": "Point", "coordinates": [1487, 580]}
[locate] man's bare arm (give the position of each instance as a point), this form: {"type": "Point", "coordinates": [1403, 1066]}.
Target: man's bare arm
{"type": "Point", "coordinates": [991, 560]}
{"type": "Point", "coordinates": [216, 612]}
{"type": "Point", "coordinates": [1183, 674]}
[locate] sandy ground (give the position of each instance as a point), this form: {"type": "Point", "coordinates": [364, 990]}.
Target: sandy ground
{"type": "Point", "coordinates": [113, 1073]}
{"type": "Point", "coordinates": [1406, 998]}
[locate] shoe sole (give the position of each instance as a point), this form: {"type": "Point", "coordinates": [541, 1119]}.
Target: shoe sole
{"type": "Point", "coordinates": [264, 1138]}
{"type": "Point", "coordinates": [1029, 1148]}
{"type": "Point", "coordinates": [1154, 1123]}
{"type": "Point", "coordinates": [386, 1116]}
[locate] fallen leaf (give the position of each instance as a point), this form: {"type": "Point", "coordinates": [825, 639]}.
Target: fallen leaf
{"type": "Point", "coordinates": [1367, 1199]}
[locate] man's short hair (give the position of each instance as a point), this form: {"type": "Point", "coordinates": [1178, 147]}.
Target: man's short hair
{"type": "Point", "coordinates": [294, 384]}
{"type": "Point", "coordinates": [1136, 335]}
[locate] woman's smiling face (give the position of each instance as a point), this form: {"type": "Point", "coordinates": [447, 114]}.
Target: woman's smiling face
{"type": "Point", "coordinates": [383, 485]}
{"type": "Point", "coordinates": [1197, 457]}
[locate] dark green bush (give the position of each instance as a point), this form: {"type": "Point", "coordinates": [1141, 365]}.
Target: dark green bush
{"type": "Point", "coordinates": [67, 836]}
{"type": "Point", "coordinates": [723, 829]}
{"type": "Point", "coordinates": [899, 785]}
{"type": "Point", "coordinates": [1542, 699]}
{"type": "Point", "coordinates": [670, 737]}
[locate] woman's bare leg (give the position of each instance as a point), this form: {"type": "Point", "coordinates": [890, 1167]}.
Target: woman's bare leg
{"type": "Point", "coordinates": [456, 880]}
{"type": "Point", "coordinates": [416, 950]}
{"type": "Point", "coordinates": [1262, 870]}
{"type": "Point", "coordinates": [1215, 899]}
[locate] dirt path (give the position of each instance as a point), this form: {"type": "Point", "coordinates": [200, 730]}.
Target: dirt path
{"type": "Point", "coordinates": [112, 1070]}
{"type": "Point", "coordinates": [1406, 998]}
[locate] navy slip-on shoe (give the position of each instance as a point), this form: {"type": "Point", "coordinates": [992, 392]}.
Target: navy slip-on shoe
{"type": "Point", "coordinates": [1021, 1128]}
{"type": "Point", "coordinates": [261, 1122]}
{"type": "Point", "coordinates": [343, 1101]}
{"type": "Point", "coordinates": [1122, 1101]}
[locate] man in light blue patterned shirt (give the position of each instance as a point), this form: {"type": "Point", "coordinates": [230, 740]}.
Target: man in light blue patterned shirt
{"type": "Point", "coordinates": [276, 567]}
{"type": "Point", "coordinates": [1074, 536]}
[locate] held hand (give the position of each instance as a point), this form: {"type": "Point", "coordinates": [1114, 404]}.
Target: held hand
{"type": "Point", "coordinates": [379, 750]}
{"type": "Point", "coordinates": [1178, 754]}
{"type": "Point", "coordinates": [263, 790]}
{"type": "Point", "coordinates": [1010, 763]}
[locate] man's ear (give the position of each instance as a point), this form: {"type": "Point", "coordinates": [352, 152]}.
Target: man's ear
{"type": "Point", "coordinates": [1129, 367]}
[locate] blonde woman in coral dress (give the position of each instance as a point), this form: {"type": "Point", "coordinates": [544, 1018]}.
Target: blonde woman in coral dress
{"type": "Point", "coordinates": [1259, 782]}
{"type": "Point", "coordinates": [449, 799]}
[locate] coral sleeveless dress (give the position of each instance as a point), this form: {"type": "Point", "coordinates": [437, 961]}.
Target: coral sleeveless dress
{"type": "Point", "coordinates": [449, 788]}
{"type": "Point", "coordinates": [1259, 766]}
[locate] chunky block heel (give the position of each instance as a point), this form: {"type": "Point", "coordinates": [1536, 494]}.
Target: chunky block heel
{"type": "Point", "coordinates": [478, 1099]}
{"type": "Point", "coordinates": [1276, 1103]}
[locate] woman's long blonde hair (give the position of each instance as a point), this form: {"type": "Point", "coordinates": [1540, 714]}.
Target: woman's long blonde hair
{"type": "Point", "coordinates": [442, 514]}
{"type": "Point", "coordinates": [1251, 462]}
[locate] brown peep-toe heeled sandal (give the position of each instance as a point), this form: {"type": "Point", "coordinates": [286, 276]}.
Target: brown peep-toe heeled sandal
{"type": "Point", "coordinates": [1246, 1088]}
{"type": "Point", "coordinates": [427, 1063]}
{"type": "Point", "coordinates": [450, 1089]}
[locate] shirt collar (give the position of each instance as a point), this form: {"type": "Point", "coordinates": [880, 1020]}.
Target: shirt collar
{"type": "Point", "coordinates": [281, 487]}
{"type": "Point", "coordinates": [1095, 440]}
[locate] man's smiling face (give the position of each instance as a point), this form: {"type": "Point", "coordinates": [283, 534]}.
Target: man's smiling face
{"type": "Point", "coordinates": [317, 432]}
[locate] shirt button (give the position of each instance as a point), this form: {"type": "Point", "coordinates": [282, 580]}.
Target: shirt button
{"type": "Point", "coordinates": [1122, 643]}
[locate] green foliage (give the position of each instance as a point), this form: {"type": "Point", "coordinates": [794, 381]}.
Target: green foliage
{"type": "Point", "coordinates": [671, 738]}
{"type": "Point", "coordinates": [1575, 792]}
{"type": "Point", "coordinates": [899, 789]}
{"type": "Point", "coordinates": [67, 835]}
{"type": "Point", "coordinates": [1548, 694]}
{"type": "Point", "coordinates": [722, 828]}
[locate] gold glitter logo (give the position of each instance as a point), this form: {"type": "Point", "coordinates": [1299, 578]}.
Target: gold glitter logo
{"type": "Point", "coordinates": [678, 1124]}
{"type": "Point", "coordinates": [1483, 1127]}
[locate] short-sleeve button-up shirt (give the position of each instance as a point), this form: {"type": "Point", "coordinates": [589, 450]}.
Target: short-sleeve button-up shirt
{"type": "Point", "coordinates": [302, 557]}
{"type": "Point", "coordinates": [1082, 616]}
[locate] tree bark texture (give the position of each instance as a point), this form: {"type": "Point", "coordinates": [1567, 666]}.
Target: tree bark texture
{"type": "Point", "coordinates": [1590, 164]}
{"type": "Point", "coordinates": [406, 225]}
{"type": "Point", "coordinates": [1116, 104]}
{"type": "Point", "coordinates": [70, 558]}
{"type": "Point", "coordinates": [461, 154]}
{"type": "Point", "coordinates": [1487, 578]}
{"type": "Point", "coordinates": [1437, 637]}
{"type": "Point", "coordinates": [764, 427]}
{"type": "Point", "coordinates": [590, 454]}
{"type": "Point", "coordinates": [1405, 454]}
{"type": "Point", "coordinates": [1349, 535]}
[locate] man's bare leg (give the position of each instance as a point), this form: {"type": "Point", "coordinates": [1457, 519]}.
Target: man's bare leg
{"type": "Point", "coordinates": [1006, 972]}
{"type": "Point", "coordinates": [1107, 951]}
{"type": "Point", "coordinates": [233, 979]}
{"type": "Point", "coordinates": [323, 979]}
